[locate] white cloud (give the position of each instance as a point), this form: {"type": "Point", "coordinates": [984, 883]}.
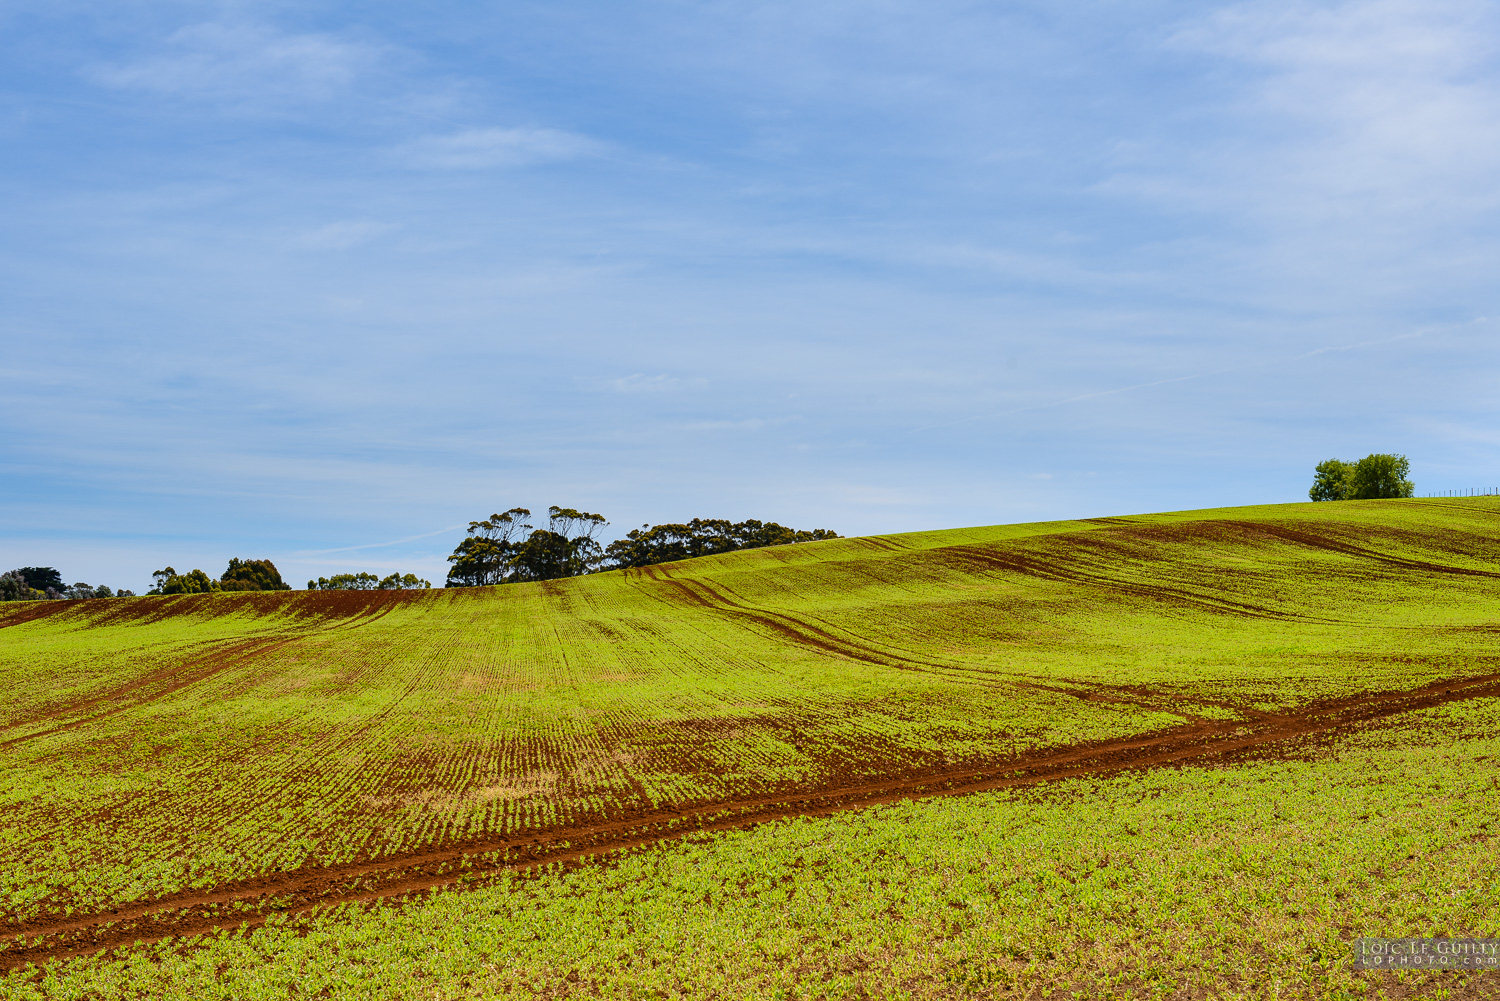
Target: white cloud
{"type": "Point", "coordinates": [1390, 106]}
{"type": "Point", "coordinates": [345, 234]}
{"type": "Point", "coordinates": [639, 382]}
{"type": "Point", "coordinates": [244, 62]}
{"type": "Point", "coordinates": [498, 147]}
{"type": "Point", "coordinates": [749, 424]}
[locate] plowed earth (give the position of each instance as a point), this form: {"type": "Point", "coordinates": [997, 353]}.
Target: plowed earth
{"type": "Point", "coordinates": [172, 766]}
{"type": "Point", "coordinates": [245, 905]}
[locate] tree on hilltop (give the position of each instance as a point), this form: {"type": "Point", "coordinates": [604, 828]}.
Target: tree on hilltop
{"type": "Point", "coordinates": [649, 545]}
{"type": "Point", "coordinates": [369, 582]}
{"type": "Point", "coordinates": [1377, 475]}
{"type": "Point", "coordinates": [345, 582]}
{"type": "Point", "coordinates": [506, 548]}
{"type": "Point", "coordinates": [41, 578]}
{"type": "Point", "coordinates": [404, 582]}
{"type": "Point", "coordinates": [252, 575]}
{"type": "Point", "coordinates": [17, 585]}
{"type": "Point", "coordinates": [13, 587]}
{"type": "Point", "coordinates": [486, 554]}
{"type": "Point", "coordinates": [169, 581]}
{"type": "Point", "coordinates": [565, 548]}
{"type": "Point", "coordinates": [1381, 475]}
{"type": "Point", "coordinates": [1331, 480]}
{"type": "Point", "coordinates": [240, 575]}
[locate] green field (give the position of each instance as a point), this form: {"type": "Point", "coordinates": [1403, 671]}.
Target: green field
{"type": "Point", "coordinates": [178, 765]}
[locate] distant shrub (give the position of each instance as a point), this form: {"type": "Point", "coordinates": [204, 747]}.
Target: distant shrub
{"type": "Point", "coordinates": [13, 587]}
{"type": "Point", "coordinates": [507, 548]}
{"type": "Point", "coordinates": [45, 583]}
{"type": "Point", "coordinates": [1377, 475]}
{"type": "Point", "coordinates": [40, 578]}
{"type": "Point", "coordinates": [652, 544]}
{"type": "Point", "coordinates": [169, 581]}
{"type": "Point", "coordinates": [368, 582]}
{"type": "Point", "coordinates": [252, 575]}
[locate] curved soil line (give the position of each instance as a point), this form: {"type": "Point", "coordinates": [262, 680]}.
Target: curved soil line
{"type": "Point", "coordinates": [700, 594]}
{"type": "Point", "coordinates": [247, 904]}
{"type": "Point", "coordinates": [1324, 542]}
{"type": "Point", "coordinates": [172, 678]}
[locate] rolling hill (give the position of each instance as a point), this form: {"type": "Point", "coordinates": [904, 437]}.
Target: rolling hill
{"type": "Point", "coordinates": [176, 765]}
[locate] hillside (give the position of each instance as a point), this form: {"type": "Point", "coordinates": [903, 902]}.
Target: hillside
{"type": "Point", "coordinates": [174, 764]}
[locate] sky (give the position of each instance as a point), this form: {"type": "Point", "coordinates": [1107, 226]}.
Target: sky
{"type": "Point", "coordinates": [323, 282]}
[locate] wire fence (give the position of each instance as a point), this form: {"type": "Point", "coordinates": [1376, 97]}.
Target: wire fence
{"type": "Point", "coordinates": [1470, 492]}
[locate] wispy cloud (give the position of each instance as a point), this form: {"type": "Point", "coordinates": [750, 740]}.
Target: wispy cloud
{"type": "Point", "coordinates": [746, 424]}
{"type": "Point", "coordinates": [639, 382]}
{"type": "Point", "coordinates": [1131, 227]}
{"type": "Point", "coordinates": [474, 149]}
{"type": "Point", "coordinates": [345, 234]}
{"type": "Point", "coordinates": [243, 62]}
{"type": "Point", "coordinates": [1392, 104]}
{"type": "Point", "coordinates": [377, 545]}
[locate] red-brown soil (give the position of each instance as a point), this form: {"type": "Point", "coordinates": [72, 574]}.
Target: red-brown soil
{"type": "Point", "coordinates": [247, 904]}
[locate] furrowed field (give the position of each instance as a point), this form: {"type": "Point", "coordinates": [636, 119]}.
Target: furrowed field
{"type": "Point", "coordinates": [182, 766]}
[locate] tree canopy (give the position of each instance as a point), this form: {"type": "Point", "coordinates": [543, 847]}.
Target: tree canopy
{"type": "Point", "coordinates": [41, 578]}
{"type": "Point", "coordinates": [252, 575]}
{"type": "Point", "coordinates": [368, 582]}
{"type": "Point", "coordinates": [13, 587]}
{"type": "Point", "coordinates": [169, 581]}
{"type": "Point", "coordinates": [506, 548]}
{"type": "Point", "coordinates": [240, 575]}
{"type": "Point", "coordinates": [38, 583]}
{"type": "Point", "coordinates": [649, 545]}
{"type": "Point", "coordinates": [1377, 475]}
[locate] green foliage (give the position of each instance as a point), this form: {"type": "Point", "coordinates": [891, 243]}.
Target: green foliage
{"type": "Point", "coordinates": [41, 578]}
{"type": "Point", "coordinates": [13, 587]}
{"type": "Point", "coordinates": [505, 548]}
{"type": "Point", "coordinates": [404, 582]}
{"type": "Point", "coordinates": [650, 545]}
{"type": "Point", "coordinates": [169, 581]}
{"type": "Point", "coordinates": [252, 575]}
{"type": "Point", "coordinates": [240, 575]}
{"type": "Point", "coordinates": [487, 555]}
{"type": "Point", "coordinates": [1381, 476]}
{"type": "Point", "coordinates": [159, 579]}
{"type": "Point", "coordinates": [1331, 480]}
{"type": "Point", "coordinates": [81, 590]}
{"type": "Point", "coordinates": [1375, 476]}
{"type": "Point", "coordinates": [368, 582]}
{"type": "Point", "coordinates": [345, 582]}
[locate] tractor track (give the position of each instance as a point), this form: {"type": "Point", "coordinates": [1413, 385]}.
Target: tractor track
{"type": "Point", "coordinates": [247, 904]}
{"type": "Point", "coordinates": [141, 691]}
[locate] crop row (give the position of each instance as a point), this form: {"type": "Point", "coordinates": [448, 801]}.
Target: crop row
{"type": "Point", "coordinates": [313, 735]}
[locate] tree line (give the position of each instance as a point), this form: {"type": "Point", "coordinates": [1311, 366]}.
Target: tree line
{"type": "Point", "coordinates": [369, 582]}
{"type": "Point", "coordinates": [1375, 476]}
{"type": "Point", "coordinates": [502, 549]}
{"type": "Point", "coordinates": [43, 583]}
{"type": "Point", "coordinates": [240, 575]}
{"type": "Point", "coordinates": [262, 575]}
{"type": "Point", "coordinates": [506, 548]}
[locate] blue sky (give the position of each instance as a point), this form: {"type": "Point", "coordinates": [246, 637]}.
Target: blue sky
{"type": "Point", "coordinates": [323, 282]}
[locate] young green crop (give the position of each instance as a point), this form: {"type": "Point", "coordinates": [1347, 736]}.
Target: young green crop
{"type": "Point", "coordinates": [1233, 881]}
{"type": "Point", "coordinates": [151, 746]}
